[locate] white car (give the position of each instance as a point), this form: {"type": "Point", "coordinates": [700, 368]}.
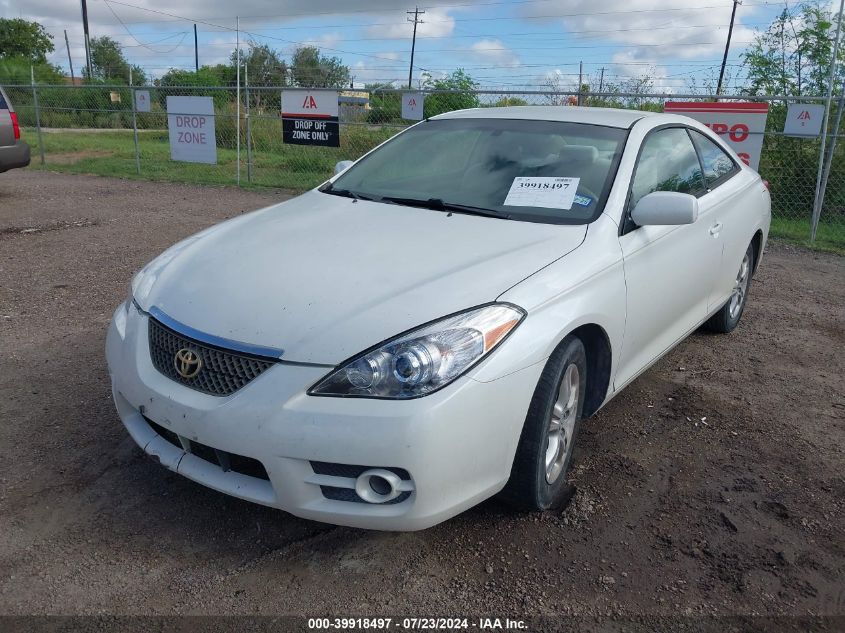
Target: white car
{"type": "Point", "coordinates": [430, 327]}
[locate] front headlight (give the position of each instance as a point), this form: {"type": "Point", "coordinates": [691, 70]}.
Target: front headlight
{"type": "Point", "coordinates": [425, 359]}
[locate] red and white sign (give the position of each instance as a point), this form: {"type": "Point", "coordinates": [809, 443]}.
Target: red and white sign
{"type": "Point", "coordinates": [412, 105]}
{"type": "Point", "coordinates": [310, 117]}
{"type": "Point", "coordinates": [190, 123]}
{"type": "Point", "coordinates": [740, 125]}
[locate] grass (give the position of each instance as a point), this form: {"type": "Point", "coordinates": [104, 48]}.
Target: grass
{"type": "Point", "coordinates": [274, 164]}
{"type": "Point", "coordinates": [830, 237]}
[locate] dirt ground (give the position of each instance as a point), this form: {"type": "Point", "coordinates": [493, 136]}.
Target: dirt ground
{"type": "Point", "coordinates": [711, 486]}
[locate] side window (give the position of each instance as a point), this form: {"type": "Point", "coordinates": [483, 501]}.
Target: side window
{"type": "Point", "coordinates": [667, 162]}
{"type": "Point", "coordinates": [717, 164]}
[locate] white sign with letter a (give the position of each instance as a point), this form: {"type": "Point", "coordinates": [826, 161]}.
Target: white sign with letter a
{"type": "Point", "coordinates": [142, 100]}
{"type": "Point", "coordinates": [803, 120]}
{"type": "Point", "coordinates": [412, 105]}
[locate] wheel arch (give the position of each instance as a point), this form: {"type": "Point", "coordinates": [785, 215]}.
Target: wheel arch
{"type": "Point", "coordinates": [757, 242]}
{"type": "Point", "coordinates": [599, 363]}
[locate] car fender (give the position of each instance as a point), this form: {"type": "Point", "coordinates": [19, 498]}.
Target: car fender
{"type": "Point", "coordinates": [586, 287]}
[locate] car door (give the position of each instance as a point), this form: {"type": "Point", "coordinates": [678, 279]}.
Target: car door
{"type": "Point", "coordinates": [726, 202]}
{"type": "Point", "coordinates": [669, 270]}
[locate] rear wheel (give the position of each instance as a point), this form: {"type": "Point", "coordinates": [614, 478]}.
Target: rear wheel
{"type": "Point", "coordinates": [728, 316]}
{"type": "Point", "coordinates": [538, 476]}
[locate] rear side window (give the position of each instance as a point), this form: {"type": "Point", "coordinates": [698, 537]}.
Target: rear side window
{"type": "Point", "coordinates": [667, 162]}
{"type": "Point", "coordinates": [3, 105]}
{"type": "Point", "coordinates": [717, 164]}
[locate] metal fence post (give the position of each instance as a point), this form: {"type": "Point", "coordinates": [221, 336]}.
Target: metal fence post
{"type": "Point", "coordinates": [826, 171]}
{"type": "Point", "coordinates": [37, 113]}
{"type": "Point", "coordinates": [135, 134]}
{"type": "Point", "coordinates": [238, 97]}
{"type": "Point", "coordinates": [248, 127]}
{"type": "Point", "coordinates": [817, 204]}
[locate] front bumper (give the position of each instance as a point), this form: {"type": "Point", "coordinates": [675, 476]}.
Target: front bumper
{"type": "Point", "coordinates": [457, 445]}
{"type": "Point", "coordinates": [13, 156]}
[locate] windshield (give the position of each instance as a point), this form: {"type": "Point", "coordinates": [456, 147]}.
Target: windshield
{"type": "Point", "coordinates": [537, 171]}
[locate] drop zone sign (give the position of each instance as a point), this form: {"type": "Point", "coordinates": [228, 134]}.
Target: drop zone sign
{"type": "Point", "coordinates": [309, 117]}
{"type": "Point", "coordinates": [740, 125]}
{"type": "Point", "coordinates": [190, 123]}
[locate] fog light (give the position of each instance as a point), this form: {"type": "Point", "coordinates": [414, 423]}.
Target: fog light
{"type": "Point", "coordinates": [378, 485]}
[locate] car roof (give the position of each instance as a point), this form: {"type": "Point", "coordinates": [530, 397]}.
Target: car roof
{"type": "Point", "coordinates": [611, 117]}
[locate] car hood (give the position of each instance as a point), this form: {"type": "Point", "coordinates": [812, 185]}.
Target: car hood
{"type": "Point", "coordinates": [323, 277]}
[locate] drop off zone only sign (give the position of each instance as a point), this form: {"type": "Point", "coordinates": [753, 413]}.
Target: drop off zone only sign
{"type": "Point", "coordinates": [190, 123]}
{"type": "Point", "coordinates": [309, 117]}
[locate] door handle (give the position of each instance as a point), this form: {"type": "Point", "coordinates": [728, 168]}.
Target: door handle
{"type": "Point", "coordinates": [714, 230]}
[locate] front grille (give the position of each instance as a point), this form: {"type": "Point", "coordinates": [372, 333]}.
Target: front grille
{"type": "Point", "coordinates": [222, 372]}
{"type": "Point", "coordinates": [347, 494]}
{"type": "Point", "coordinates": [227, 461]}
{"type": "Point", "coordinates": [348, 470]}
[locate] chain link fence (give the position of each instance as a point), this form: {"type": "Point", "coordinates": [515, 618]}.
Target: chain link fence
{"type": "Point", "coordinates": [96, 129]}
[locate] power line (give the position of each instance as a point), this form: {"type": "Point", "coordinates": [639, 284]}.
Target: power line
{"type": "Point", "coordinates": [281, 39]}
{"type": "Point", "coordinates": [140, 43]}
{"type": "Point", "coordinates": [177, 18]}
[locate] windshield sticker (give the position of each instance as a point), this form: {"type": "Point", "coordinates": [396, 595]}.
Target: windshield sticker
{"type": "Point", "coordinates": [584, 201]}
{"type": "Point", "coordinates": [549, 193]}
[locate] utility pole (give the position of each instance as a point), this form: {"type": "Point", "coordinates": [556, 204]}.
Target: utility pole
{"type": "Point", "coordinates": [87, 38]}
{"type": "Point", "coordinates": [580, 80]}
{"type": "Point", "coordinates": [416, 20]}
{"type": "Point", "coordinates": [196, 50]}
{"type": "Point", "coordinates": [69, 60]}
{"type": "Point", "coordinates": [727, 48]}
{"type": "Point", "coordinates": [601, 80]}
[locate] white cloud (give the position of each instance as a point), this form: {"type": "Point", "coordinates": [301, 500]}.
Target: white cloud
{"type": "Point", "coordinates": [326, 40]}
{"type": "Point", "coordinates": [651, 32]}
{"type": "Point", "coordinates": [387, 19]}
{"type": "Point", "coordinates": [435, 23]}
{"type": "Point", "coordinates": [496, 52]}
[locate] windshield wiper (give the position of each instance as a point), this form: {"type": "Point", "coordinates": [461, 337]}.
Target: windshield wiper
{"type": "Point", "coordinates": [346, 193]}
{"type": "Point", "coordinates": [438, 204]}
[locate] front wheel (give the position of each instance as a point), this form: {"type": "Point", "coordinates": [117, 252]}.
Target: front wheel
{"type": "Point", "coordinates": [538, 476]}
{"type": "Point", "coordinates": [728, 316]}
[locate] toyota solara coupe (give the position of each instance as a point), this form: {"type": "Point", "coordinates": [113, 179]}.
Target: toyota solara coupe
{"type": "Point", "coordinates": [430, 327]}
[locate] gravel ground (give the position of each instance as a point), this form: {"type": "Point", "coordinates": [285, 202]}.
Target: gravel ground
{"type": "Point", "coordinates": [712, 486]}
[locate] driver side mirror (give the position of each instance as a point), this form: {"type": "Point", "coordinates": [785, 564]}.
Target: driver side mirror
{"type": "Point", "coordinates": [342, 166]}
{"type": "Point", "coordinates": [665, 208]}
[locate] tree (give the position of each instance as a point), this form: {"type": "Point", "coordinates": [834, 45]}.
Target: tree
{"type": "Point", "coordinates": [22, 38]}
{"type": "Point", "coordinates": [510, 101]}
{"type": "Point", "coordinates": [793, 55]}
{"type": "Point", "coordinates": [461, 93]}
{"type": "Point", "coordinates": [205, 77]}
{"type": "Point", "coordinates": [16, 70]}
{"type": "Point", "coordinates": [264, 68]}
{"type": "Point", "coordinates": [310, 69]}
{"type": "Point", "coordinates": [109, 64]}
{"type": "Point", "coordinates": [554, 83]}
{"type": "Point", "coordinates": [224, 73]}
{"type": "Point", "coordinates": [385, 103]}
{"type": "Point", "coordinates": [178, 77]}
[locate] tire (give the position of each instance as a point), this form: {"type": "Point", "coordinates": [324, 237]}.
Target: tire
{"type": "Point", "coordinates": [728, 316]}
{"type": "Point", "coordinates": [537, 483]}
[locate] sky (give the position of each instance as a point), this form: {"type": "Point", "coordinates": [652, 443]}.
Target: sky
{"type": "Point", "coordinates": [504, 45]}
